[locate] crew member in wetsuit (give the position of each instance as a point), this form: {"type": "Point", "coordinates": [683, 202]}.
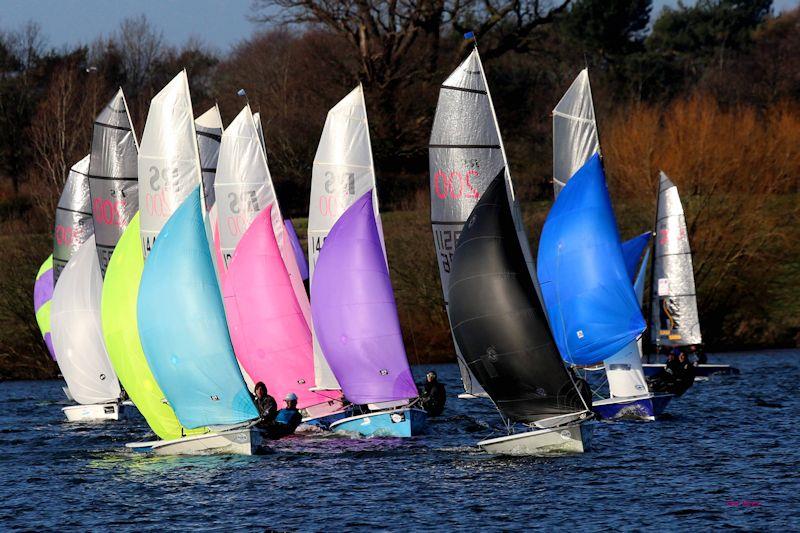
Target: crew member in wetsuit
{"type": "Point", "coordinates": [666, 378]}
{"type": "Point", "coordinates": [266, 404]}
{"type": "Point", "coordinates": [699, 353]}
{"type": "Point", "coordinates": [287, 419]}
{"type": "Point", "coordinates": [684, 375]}
{"type": "Point", "coordinates": [433, 395]}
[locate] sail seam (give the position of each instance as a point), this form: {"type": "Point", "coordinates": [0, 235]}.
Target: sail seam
{"type": "Point", "coordinates": [73, 211]}
{"type": "Point", "coordinates": [573, 117]}
{"type": "Point", "coordinates": [495, 146]}
{"type": "Point", "coordinates": [210, 135]}
{"type": "Point", "coordinates": [463, 89]}
{"type": "Point", "coordinates": [111, 126]}
{"type": "Point", "coordinates": [109, 178]}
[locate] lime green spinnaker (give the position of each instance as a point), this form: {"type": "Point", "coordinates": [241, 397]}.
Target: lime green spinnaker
{"type": "Point", "coordinates": [121, 332]}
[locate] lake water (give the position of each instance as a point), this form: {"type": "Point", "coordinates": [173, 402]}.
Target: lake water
{"type": "Point", "coordinates": [726, 456]}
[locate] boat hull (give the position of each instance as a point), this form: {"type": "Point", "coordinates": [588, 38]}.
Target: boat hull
{"type": "Point", "coordinates": [388, 423]}
{"type": "Point", "coordinates": [572, 438]}
{"type": "Point", "coordinates": [325, 421]}
{"type": "Point", "coordinates": [97, 412]}
{"type": "Point", "coordinates": [470, 396]}
{"type": "Point", "coordinates": [647, 407]}
{"type": "Point", "coordinates": [700, 371]}
{"type": "Point", "coordinates": [241, 441]}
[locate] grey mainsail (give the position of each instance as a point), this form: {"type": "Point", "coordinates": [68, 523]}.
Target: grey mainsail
{"type": "Point", "coordinates": [674, 318]}
{"type": "Point", "coordinates": [575, 129]}
{"type": "Point", "coordinates": [73, 216]}
{"type": "Point", "coordinates": [209, 135]}
{"type": "Point", "coordinates": [113, 180]}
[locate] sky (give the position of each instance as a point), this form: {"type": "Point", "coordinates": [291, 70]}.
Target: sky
{"type": "Point", "coordinates": [219, 23]}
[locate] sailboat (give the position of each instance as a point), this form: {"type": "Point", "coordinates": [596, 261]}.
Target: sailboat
{"type": "Point", "coordinates": [465, 154]}
{"type": "Point", "coordinates": [674, 318]}
{"type": "Point", "coordinates": [42, 296]}
{"type": "Point", "coordinates": [270, 334]}
{"type": "Point", "coordinates": [113, 181]}
{"type": "Point", "coordinates": [501, 329]}
{"type": "Point", "coordinates": [356, 323]}
{"type": "Point", "coordinates": [181, 321]}
{"type": "Point", "coordinates": [343, 171]}
{"type": "Point", "coordinates": [575, 144]}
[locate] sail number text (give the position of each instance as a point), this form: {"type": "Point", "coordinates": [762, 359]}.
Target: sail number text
{"type": "Point", "coordinates": [457, 184]}
{"type": "Point", "coordinates": [446, 244]}
{"type": "Point", "coordinates": [165, 185]}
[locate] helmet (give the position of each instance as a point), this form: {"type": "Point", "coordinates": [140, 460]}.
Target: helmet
{"type": "Point", "coordinates": [291, 397]}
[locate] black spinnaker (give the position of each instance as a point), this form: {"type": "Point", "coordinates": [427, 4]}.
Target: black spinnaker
{"type": "Point", "coordinates": [498, 320]}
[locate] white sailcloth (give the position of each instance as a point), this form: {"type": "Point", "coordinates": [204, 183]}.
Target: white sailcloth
{"type": "Point", "coordinates": [260, 130]}
{"type": "Point", "coordinates": [343, 171]}
{"type": "Point", "coordinates": [113, 176]}
{"type": "Point", "coordinates": [624, 369]}
{"type": "Point", "coordinates": [169, 161]}
{"type": "Point", "coordinates": [77, 330]}
{"type": "Point", "coordinates": [244, 188]}
{"type": "Point", "coordinates": [575, 137]}
{"type": "Point", "coordinates": [74, 224]}
{"type": "Point", "coordinates": [465, 154]}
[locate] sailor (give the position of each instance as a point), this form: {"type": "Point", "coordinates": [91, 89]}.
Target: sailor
{"type": "Point", "coordinates": [266, 404]}
{"type": "Point", "coordinates": [684, 375]}
{"type": "Point", "coordinates": [700, 355]}
{"type": "Point", "coordinates": [287, 419]}
{"type": "Point", "coordinates": [433, 395]}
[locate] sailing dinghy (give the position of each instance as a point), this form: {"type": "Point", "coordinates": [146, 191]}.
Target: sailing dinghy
{"type": "Point", "coordinates": [675, 321]}
{"type": "Point", "coordinates": [575, 143]}
{"type": "Point", "coordinates": [501, 329]}
{"type": "Point", "coordinates": [356, 323]}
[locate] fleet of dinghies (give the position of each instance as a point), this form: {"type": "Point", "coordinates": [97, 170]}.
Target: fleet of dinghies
{"type": "Point", "coordinates": [176, 282]}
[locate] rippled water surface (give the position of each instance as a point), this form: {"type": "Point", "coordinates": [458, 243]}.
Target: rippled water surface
{"type": "Point", "coordinates": [727, 455]}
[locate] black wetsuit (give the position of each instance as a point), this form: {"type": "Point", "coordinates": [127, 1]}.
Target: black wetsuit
{"type": "Point", "coordinates": [684, 377]}
{"type": "Point", "coordinates": [267, 408]}
{"type": "Point", "coordinates": [433, 398]}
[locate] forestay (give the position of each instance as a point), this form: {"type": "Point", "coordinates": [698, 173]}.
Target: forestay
{"type": "Point", "coordinates": [169, 162]}
{"type": "Point", "coordinates": [586, 288]}
{"type": "Point", "coordinates": [113, 178]}
{"type": "Point", "coordinates": [244, 188]}
{"type": "Point", "coordinates": [355, 314]}
{"type": "Point", "coordinates": [575, 137]}
{"type": "Point", "coordinates": [183, 329]}
{"type": "Point", "coordinates": [77, 330]}
{"type": "Point", "coordinates": [121, 334]}
{"type": "Point", "coordinates": [343, 171]}
{"type": "Point", "coordinates": [73, 217]}
{"type": "Point", "coordinates": [498, 321]}
{"type": "Point", "coordinates": [675, 321]}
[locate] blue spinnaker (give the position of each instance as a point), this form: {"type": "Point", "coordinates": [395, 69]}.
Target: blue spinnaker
{"type": "Point", "coordinates": [183, 329]}
{"type": "Point", "coordinates": [585, 286]}
{"type": "Point", "coordinates": [632, 251]}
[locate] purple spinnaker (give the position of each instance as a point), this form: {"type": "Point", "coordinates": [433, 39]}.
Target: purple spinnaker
{"type": "Point", "coordinates": [300, 257]}
{"type": "Point", "coordinates": [354, 311]}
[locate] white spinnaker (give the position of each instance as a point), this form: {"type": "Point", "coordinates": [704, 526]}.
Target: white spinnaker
{"type": "Point", "coordinates": [343, 171]}
{"type": "Point", "coordinates": [465, 154]}
{"type": "Point", "coordinates": [74, 223]}
{"type": "Point", "coordinates": [169, 161]}
{"type": "Point", "coordinates": [243, 189]}
{"type": "Point", "coordinates": [624, 369]}
{"type": "Point", "coordinates": [575, 137]}
{"type": "Point", "coordinates": [77, 330]}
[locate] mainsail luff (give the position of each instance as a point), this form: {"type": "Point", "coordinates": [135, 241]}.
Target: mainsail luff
{"type": "Point", "coordinates": [498, 321]}
{"type": "Point", "coordinates": [169, 159]}
{"type": "Point", "coordinates": [674, 319]}
{"type": "Point", "coordinates": [342, 172]}
{"type": "Point", "coordinates": [575, 137]}
{"type": "Point", "coordinates": [74, 223]}
{"type": "Point", "coordinates": [77, 330]}
{"type": "Point", "coordinates": [113, 180]}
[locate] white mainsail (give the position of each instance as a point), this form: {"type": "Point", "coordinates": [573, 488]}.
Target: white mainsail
{"type": "Point", "coordinates": [575, 129]}
{"type": "Point", "coordinates": [343, 171]}
{"type": "Point", "coordinates": [465, 154]}
{"type": "Point", "coordinates": [77, 330]}
{"type": "Point", "coordinates": [243, 189]}
{"type": "Point", "coordinates": [112, 176]}
{"type": "Point", "coordinates": [260, 130]}
{"type": "Point", "coordinates": [675, 320]}
{"type": "Point", "coordinates": [169, 161]}
{"type": "Point", "coordinates": [74, 223]}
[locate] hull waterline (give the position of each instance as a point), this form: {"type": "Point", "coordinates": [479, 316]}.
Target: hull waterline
{"type": "Point", "coordinates": [240, 441]}
{"type": "Point", "coordinates": [571, 438]}
{"type": "Point", "coordinates": [97, 412]}
{"type": "Point", "coordinates": [388, 423]}
{"type": "Point", "coordinates": [647, 407]}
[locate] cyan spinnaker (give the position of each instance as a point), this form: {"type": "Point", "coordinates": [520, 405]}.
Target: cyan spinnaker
{"type": "Point", "coordinates": [586, 288]}
{"type": "Point", "coordinates": [183, 329]}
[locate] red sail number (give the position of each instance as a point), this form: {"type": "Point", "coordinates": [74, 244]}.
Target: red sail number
{"type": "Point", "coordinates": [455, 184]}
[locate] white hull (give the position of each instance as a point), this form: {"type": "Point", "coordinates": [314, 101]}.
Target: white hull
{"type": "Point", "coordinates": [572, 438]}
{"type": "Point", "coordinates": [470, 396]}
{"type": "Point", "coordinates": [242, 441]}
{"type": "Point", "coordinates": [94, 412]}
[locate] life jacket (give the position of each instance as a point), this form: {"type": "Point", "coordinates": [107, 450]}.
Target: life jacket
{"type": "Point", "coordinates": [285, 416]}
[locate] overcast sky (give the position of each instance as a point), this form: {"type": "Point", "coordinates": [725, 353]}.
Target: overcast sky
{"type": "Point", "coordinates": [219, 23]}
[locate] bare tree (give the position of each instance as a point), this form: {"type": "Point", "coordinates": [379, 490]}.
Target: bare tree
{"type": "Point", "coordinates": [140, 46]}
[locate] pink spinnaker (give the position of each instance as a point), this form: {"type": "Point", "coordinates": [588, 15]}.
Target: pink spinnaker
{"type": "Point", "coordinates": [270, 335]}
